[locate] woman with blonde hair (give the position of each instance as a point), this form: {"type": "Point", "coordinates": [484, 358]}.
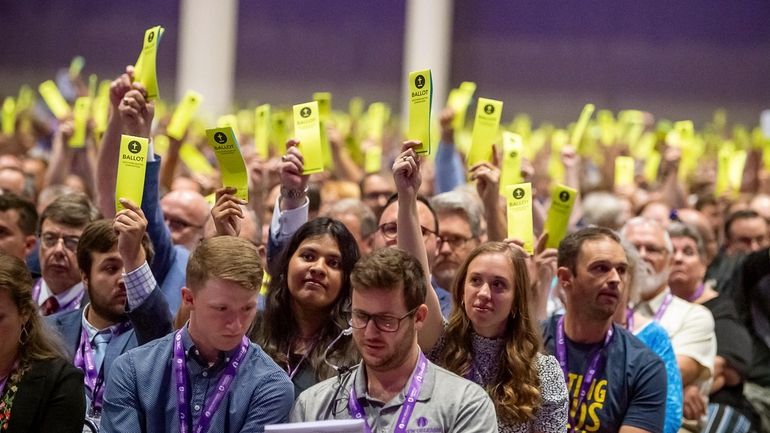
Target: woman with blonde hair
{"type": "Point", "coordinates": [40, 389]}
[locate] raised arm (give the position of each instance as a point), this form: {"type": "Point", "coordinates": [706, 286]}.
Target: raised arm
{"type": "Point", "coordinates": [227, 213]}
{"type": "Point", "coordinates": [406, 174]}
{"type": "Point", "coordinates": [107, 160]}
{"type": "Point", "coordinates": [60, 162]}
{"type": "Point", "coordinates": [487, 177]}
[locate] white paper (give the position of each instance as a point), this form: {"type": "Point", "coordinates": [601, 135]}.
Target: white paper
{"type": "Point", "coordinates": [330, 426]}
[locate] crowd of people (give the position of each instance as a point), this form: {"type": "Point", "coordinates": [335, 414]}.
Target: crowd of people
{"type": "Point", "coordinates": [387, 292]}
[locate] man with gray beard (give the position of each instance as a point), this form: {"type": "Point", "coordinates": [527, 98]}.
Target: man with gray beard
{"type": "Point", "coordinates": [690, 326]}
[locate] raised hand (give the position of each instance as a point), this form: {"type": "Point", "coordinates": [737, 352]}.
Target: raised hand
{"type": "Point", "coordinates": [130, 224]}
{"type": "Point", "coordinates": [227, 212]}
{"type": "Point", "coordinates": [406, 170]}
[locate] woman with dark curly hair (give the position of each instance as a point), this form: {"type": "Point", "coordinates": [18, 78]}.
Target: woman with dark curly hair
{"type": "Point", "coordinates": [41, 391]}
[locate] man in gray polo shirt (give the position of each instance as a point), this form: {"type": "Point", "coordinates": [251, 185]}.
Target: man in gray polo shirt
{"type": "Point", "coordinates": [395, 388]}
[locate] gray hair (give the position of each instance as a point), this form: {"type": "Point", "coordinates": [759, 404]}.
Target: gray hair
{"type": "Point", "coordinates": [636, 273]}
{"type": "Point", "coordinates": [683, 230]}
{"type": "Point", "coordinates": [602, 209]}
{"type": "Point", "coordinates": [642, 222]}
{"type": "Point", "coordinates": [356, 207]}
{"type": "Point", "coordinates": [461, 202]}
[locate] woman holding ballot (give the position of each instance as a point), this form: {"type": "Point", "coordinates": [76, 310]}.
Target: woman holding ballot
{"type": "Point", "coordinates": [491, 323]}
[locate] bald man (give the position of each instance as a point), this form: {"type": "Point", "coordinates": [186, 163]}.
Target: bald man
{"type": "Point", "coordinates": [185, 213]}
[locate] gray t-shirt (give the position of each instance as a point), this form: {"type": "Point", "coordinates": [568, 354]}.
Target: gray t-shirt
{"type": "Point", "coordinates": [446, 403]}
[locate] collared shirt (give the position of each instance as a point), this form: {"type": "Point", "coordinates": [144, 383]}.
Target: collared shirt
{"type": "Point", "coordinates": [285, 223]}
{"type": "Point", "coordinates": [141, 390]}
{"type": "Point", "coordinates": [690, 327]}
{"type": "Point", "coordinates": [446, 403]}
{"type": "Point", "coordinates": [139, 285]}
{"type": "Point", "coordinates": [74, 293]}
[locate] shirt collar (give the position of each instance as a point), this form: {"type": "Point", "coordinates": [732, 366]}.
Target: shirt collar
{"type": "Point", "coordinates": [64, 297]}
{"type": "Point", "coordinates": [654, 304]}
{"type": "Point", "coordinates": [192, 353]}
{"type": "Point", "coordinates": [362, 391]}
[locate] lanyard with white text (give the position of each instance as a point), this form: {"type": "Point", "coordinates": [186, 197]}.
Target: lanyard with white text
{"type": "Point", "coordinates": [593, 365]}
{"type": "Point", "coordinates": [357, 412]}
{"type": "Point", "coordinates": [211, 404]}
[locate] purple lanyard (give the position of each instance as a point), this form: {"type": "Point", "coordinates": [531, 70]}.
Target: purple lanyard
{"type": "Point", "coordinates": [698, 293]}
{"type": "Point", "coordinates": [84, 360]}
{"type": "Point", "coordinates": [663, 307]}
{"type": "Point", "coordinates": [357, 412]}
{"type": "Point", "coordinates": [212, 404]}
{"type": "Point", "coordinates": [593, 365]}
{"type": "Point", "coordinates": [36, 289]}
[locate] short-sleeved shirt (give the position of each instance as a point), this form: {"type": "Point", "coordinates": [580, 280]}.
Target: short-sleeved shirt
{"type": "Point", "coordinates": [446, 403]}
{"type": "Point", "coordinates": [690, 327]}
{"type": "Point", "coordinates": [629, 387]}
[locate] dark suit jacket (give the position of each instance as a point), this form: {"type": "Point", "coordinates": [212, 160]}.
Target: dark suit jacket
{"type": "Point", "coordinates": [150, 320]}
{"type": "Point", "coordinates": [50, 399]}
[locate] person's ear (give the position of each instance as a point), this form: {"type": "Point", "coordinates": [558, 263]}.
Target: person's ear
{"type": "Point", "coordinates": [188, 298]}
{"type": "Point", "coordinates": [565, 277]}
{"type": "Point", "coordinates": [29, 244]}
{"type": "Point", "coordinates": [84, 278]}
{"type": "Point", "coordinates": [420, 315]}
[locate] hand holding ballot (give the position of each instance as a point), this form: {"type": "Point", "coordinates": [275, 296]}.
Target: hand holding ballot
{"type": "Point", "coordinates": [227, 212]}
{"type": "Point", "coordinates": [293, 181]}
{"type": "Point", "coordinates": [135, 112]}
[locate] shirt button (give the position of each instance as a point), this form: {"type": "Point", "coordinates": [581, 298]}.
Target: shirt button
{"type": "Point", "coordinates": [205, 374]}
{"type": "Point", "coordinates": [197, 407]}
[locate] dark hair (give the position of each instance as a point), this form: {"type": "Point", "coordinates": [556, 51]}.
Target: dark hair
{"type": "Point", "coordinates": [72, 210]}
{"type": "Point", "coordinates": [100, 237]}
{"type": "Point", "coordinates": [27, 213]}
{"type": "Point", "coordinates": [277, 324]}
{"type": "Point", "coordinates": [391, 269]}
{"type": "Point", "coordinates": [705, 200]}
{"type": "Point", "coordinates": [569, 247]}
{"type": "Point", "coordinates": [421, 198]}
{"type": "Point", "coordinates": [739, 215]}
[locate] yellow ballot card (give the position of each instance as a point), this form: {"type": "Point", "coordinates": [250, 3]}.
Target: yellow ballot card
{"type": "Point", "coordinates": [356, 107]}
{"type": "Point", "coordinates": [606, 122]}
{"type": "Point", "coordinates": [80, 119]}
{"type": "Point", "coordinates": [459, 100]}
{"type": "Point", "coordinates": [624, 171]}
{"type": "Point", "coordinates": [9, 116]}
{"type": "Point", "coordinates": [582, 123]}
{"type": "Point", "coordinates": [144, 70]}
{"type": "Point", "coordinates": [231, 163]}
{"type": "Point", "coordinates": [262, 131]}
{"type": "Point", "coordinates": [195, 160]}
{"type": "Point", "coordinates": [651, 166]}
{"type": "Point", "coordinates": [278, 131]}
{"type": "Point", "coordinates": [735, 176]}
{"type": "Point", "coordinates": [519, 198]}
{"type": "Point", "coordinates": [420, 101]}
{"type": "Point", "coordinates": [230, 120]}
{"type": "Point", "coordinates": [25, 98]}
{"type": "Point", "coordinates": [373, 159]}
{"type": "Point", "coordinates": [485, 128]}
{"type": "Point", "coordinates": [557, 221]}
{"type": "Point", "coordinates": [131, 168]}
{"type": "Point", "coordinates": [307, 130]}
{"type": "Point", "coordinates": [183, 114]}
{"type": "Point", "coordinates": [324, 100]}
{"type": "Point", "coordinates": [375, 121]}
{"type": "Point", "coordinates": [512, 152]}
{"type": "Point", "coordinates": [54, 99]}
{"type": "Point", "coordinates": [160, 144]}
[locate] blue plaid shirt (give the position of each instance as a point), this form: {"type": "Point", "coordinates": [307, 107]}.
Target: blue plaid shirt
{"type": "Point", "coordinates": [140, 395]}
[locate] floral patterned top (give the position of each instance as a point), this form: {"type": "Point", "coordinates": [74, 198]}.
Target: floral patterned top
{"type": "Point", "coordinates": [551, 416]}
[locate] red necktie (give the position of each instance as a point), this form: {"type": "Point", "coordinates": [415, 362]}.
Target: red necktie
{"type": "Point", "coordinates": [50, 306]}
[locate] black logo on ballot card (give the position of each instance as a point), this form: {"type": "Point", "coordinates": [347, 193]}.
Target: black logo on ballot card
{"type": "Point", "coordinates": [305, 112]}
{"type": "Point", "coordinates": [518, 193]}
{"type": "Point", "coordinates": [220, 137]}
{"type": "Point", "coordinates": [489, 108]}
{"type": "Point", "coordinates": [564, 196]}
{"type": "Point", "coordinates": [419, 81]}
{"type": "Point", "coordinates": [134, 146]}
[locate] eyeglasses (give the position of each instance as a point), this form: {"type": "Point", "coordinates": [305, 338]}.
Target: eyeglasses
{"type": "Point", "coordinates": [50, 240]}
{"type": "Point", "coordinates": [390, 231]}
{"type": "Point", "coordinates": [176, 224]}
{"type": "Point", "coordinates": [378, 195]}
{"type": "Point", "coordinates": [384, 322]}
{"type": "Point", "coordinates": [453, 241]}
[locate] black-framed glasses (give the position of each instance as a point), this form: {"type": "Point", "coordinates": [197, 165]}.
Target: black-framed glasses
{"type": "Point", "coordinates": [50, 239]}
{"type": "Point", "coordinates": [177, 224]}
{"type": "Point", "coordinates": [390, 231]}
{"type": "Point", "coordinates": [453, 241]}
{"type": "Point", "coordinates": [384, 322]}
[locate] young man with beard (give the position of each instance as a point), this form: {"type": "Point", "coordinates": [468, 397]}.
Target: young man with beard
{"type": "Point", "coordinates": [395, 388]}
{"type": "Point", "coordinates": [690, 326]}
{"type": "Point", "coordinates": [125, 309]}
{"type": "Point", "coordinates": [616, 383]}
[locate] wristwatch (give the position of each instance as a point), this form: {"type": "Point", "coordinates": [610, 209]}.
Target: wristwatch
{"type": "Point", "coordinates": [293, 193]}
